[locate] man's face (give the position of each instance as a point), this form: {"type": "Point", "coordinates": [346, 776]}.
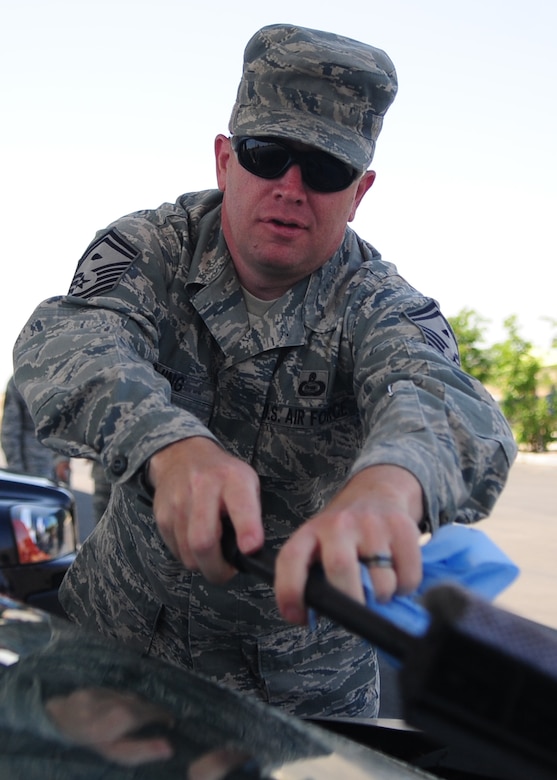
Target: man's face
{"type": "Point", "coordinates": [280, 230]}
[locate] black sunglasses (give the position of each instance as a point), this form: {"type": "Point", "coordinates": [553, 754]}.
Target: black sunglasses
{"type": "Point", "coordinates": [270, 158]}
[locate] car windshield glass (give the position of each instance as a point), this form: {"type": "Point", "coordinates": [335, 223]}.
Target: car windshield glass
{"type": "Point", "coordinates": [75, 704]}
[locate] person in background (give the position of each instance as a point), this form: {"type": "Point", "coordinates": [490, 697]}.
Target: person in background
{"type": "Point", "coordinates": [23, 451]}
{"type": "Point", "coordinates": [242, 352]}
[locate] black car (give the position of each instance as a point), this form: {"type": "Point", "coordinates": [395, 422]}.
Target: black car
{"type": "Point", "coordinates": [38, 538]}
{"type": "Point", "coordinates": [73, 704]}
{"type": "Point", "coordinates": [76, 705]}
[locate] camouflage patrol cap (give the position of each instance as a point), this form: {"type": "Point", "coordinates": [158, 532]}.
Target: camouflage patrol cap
{"type": "Point", "coordinates": [316, 87]}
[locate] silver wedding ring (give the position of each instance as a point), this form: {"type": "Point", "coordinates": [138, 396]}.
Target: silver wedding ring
{"type": "Point", "coordinates": [377, 561]}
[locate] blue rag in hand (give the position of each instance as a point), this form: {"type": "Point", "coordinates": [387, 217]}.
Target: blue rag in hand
{"type": "Point", "coordinates": [456, 554]}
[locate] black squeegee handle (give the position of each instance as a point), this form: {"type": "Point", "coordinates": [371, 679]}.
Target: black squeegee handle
{"type": "Point", "coordinates": [323, 597]}
{"type": "Point", "coordinates": [455, 684]}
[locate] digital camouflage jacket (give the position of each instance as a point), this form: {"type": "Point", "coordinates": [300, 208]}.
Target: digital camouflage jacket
{"type": "Point", "coordinates": [352, 367]}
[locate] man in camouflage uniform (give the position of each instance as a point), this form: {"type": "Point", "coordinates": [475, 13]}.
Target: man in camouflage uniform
{"type": "Point", "coordinates": [243, 352]}
{"type": "Point", "coordinates": [24, 452]}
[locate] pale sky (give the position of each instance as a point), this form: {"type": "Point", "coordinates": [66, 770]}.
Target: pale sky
{"type": "Point", "coordinates": [109, 106]}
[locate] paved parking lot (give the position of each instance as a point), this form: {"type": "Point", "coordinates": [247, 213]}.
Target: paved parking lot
{"type": "Point", "coordinates": [524, 525]}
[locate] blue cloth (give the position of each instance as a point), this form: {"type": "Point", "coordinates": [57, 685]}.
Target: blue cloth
{"type": "Point", "coordinates": [457, 554]}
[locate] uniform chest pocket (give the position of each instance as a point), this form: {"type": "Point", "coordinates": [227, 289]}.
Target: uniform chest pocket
{"type": "Point", "coordinates": [307, 441]}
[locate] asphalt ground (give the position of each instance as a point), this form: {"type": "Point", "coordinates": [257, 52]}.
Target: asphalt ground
{"type": "Point", "coordinates": [524, 525]}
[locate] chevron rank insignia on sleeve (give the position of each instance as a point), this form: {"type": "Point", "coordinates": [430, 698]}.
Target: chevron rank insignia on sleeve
{"type": "Point", "coordinates": [102, 266]}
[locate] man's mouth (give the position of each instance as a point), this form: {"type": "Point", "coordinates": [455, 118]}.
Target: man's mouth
{"type": "Point", "coordinates": [284, 223]}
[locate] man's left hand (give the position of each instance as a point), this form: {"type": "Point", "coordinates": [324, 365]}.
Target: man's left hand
{"type": "Point", "coordinates": [377, 513]}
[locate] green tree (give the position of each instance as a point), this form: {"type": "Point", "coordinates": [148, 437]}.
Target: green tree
{"type": "Point", "coordinates": [515, 374]}
{"type": "Point", "coordinates": [469, 329]}
{"type": "Point", "coordinates": [553, 324]}
{"type": "Point", "coordinates": [515, 371]}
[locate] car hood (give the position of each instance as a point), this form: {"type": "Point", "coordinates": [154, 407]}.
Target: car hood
{"type": "Point", "coordinates": [65, 696]}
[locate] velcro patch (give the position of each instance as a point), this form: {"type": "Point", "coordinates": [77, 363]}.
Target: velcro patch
{"type": "Point", "coordinates": [103, 265]}
{"type": "Point", "coordinates": [313, 384]}
{"type": "Point", "coordinates": [436, 330]}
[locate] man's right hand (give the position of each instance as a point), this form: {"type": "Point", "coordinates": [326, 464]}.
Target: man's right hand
{"type": "Point", "coordinates": [196, 483]}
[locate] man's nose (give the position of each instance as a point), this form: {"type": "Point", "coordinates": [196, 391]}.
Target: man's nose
{"type": "Point", "coordinates": [292, 180]}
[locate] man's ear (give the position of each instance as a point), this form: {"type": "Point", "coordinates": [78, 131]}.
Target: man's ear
{"type": "Point", "coordinates": [363, 186]}
{"type": "Point", "coordinates": [223, 152]}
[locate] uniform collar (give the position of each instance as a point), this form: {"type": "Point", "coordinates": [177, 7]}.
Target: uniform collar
{"type": "Point", "coordinates": [216, 294]}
